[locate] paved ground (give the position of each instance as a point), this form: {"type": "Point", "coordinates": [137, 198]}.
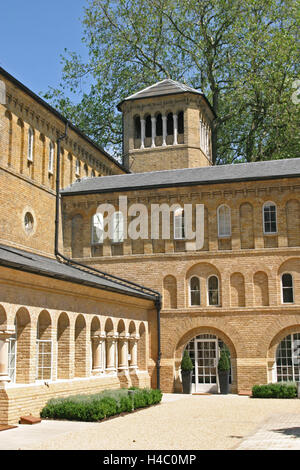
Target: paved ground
{"type": "Point", "coordinates": [180, 422]}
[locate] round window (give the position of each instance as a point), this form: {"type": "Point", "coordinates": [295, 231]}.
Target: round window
{"type": "Point", "coordinates": [28, 222]}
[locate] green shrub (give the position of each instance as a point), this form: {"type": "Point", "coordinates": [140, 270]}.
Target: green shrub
{"type": "Point", "coordinates": [275, 390]}
{"type": "Point", "coordinates": [98, 406]}
{"type": "Point", "coordinates": [186, 363]}
{"type": "Point", "coordinates": [224, 362]}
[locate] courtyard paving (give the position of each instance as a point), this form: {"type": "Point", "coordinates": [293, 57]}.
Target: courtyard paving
{"type": "Point", "coordinates": [187, 422]}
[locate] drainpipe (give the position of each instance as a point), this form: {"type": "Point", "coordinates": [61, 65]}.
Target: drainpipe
{"type": "Point", "coordinates": [59, 256]}
{"type": "Point", "coordinates": [56, 252]}
{"type": "Point", "coordinates": [158, 309]}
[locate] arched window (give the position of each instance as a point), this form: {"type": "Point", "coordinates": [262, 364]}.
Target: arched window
{"type": "Point", "coordinates": [77, 167]}
{"type": "Point", "coordinates": [159, 127]}
{"type": "Point", "coordinates": [118, 227]}
{"type": "Point", "coordinates": [97, 228]}
{"type": "Point", "coordinates": [137, 127]}
{"type": "Point", "coordinates": [179, 224]}
{"type": "Point", "coordinates": [170, 124]}
{"type": "Point", "coordinates": [288, 359]}
{"type": "Point", "coordinates": [269, 218]}
{"type": "Point", "coordinates": [194, 290]}
{"type": "Point", "coordinates": [213, 290]}
{"type": "Point", "coordinates": [12, 354]}
{"type": "Point", "coordinates": [224, 221]}
{"type": "Point", "coordinates": [51, 158]}
{"type": "Point", "coordinates": [180, 123]}
{"type": "Point", "coordinates": [287, 288]}
{"type": "Point", "coordinates": [30, 144]}
{"type": "Point", "coordinates": [43, 347]}
{"type": "Point", "coordinates": [148, 131]}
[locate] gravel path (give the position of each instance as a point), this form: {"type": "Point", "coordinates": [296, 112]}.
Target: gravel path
{"type": "Point", "coordinates": [180, 422]}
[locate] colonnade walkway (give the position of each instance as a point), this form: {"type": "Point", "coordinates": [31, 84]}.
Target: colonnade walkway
{"type": "Point", "coordinates": [179, 422]}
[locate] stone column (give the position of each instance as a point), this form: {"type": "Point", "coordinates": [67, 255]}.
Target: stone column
{"type": "Point", "coordinates": [111, 352]}
{"type": "Point", "coordinates": [123, 348]}
{"type": "Point", "coordinates": [164, 122]}
{"type": "Point", "coordinates": [153, 122]}
{"type": "Point", "coordinates": [175, 125]}
{"type": "Point", "coordinates": [143, 128]}
{"type": "Point", "coordinates": [133, 341]}
{"type": "Point", "coordinates": [98, 343]}
{"type": "Point", "coordinates": [4, 339]}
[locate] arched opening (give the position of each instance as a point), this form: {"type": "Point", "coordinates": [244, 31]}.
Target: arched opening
{"type": "Point", "coordinates": [293, 222]}
{"type": "Point", "coordinates": [204, 351]}
{"type": "Point", "coordinates": [287, 360]}
{"type": "Point", "coordinates": [77, 236]}
{"type": "Point", "coordinates": [194, 290]}
{"type": "Point", "coordinates": [142, 362]}
{"type": "Point", "coordinates": [180, 122]}
{"type": "Point", "coordinates": [44, 347]}
{"type": "Point", "coordinates": [170, 124]}
{"type": "Point", "coordinates": [159, 125]}
{"type": "Point", "coordinates": [80, 347]}
{"type": "Point", "coordinates": [261, 289]}
{"type": "Point", "coordinates": [148, 126]}
{"type": "Point", "coordinates": [96, 346]}
{"type": "Point", "coordinates": [170, 292]}
{"type": "Point", "coordinates": [63, 347]}
{"type": "Point", "coordinates": [237, 290]}
{"type": "Point", "coordinates": [23, 350]}
{"type": "Point", "coordinates": [137, 127]}
{"type": "Point", "coordinates": [111, 349]}
{"type": "Point", "coordinates": [213, 291]}
{"type": "Point", "coordinates": [246, 226]}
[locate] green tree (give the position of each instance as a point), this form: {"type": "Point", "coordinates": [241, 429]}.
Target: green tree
{"type": "Point", "coordinates": [243, 55]}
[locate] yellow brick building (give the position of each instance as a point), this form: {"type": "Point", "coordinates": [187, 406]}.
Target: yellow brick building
{"type": "Point", "coordinates": [66, 326]}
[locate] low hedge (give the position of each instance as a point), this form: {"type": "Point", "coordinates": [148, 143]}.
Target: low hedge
{"type": "Point", "coordinates": [99, 406]}
{"type": "Point", "coordinates": [275, 390]}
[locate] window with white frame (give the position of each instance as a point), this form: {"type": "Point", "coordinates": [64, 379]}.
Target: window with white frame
{"type": "Point", "coordinates": [288, 359]}
{"type": "Point", "coordinates": [269, 218]}
{"type": "Point", "coordinates": [97, 229]}
{"type": "Point", "coordinates": [213, 290]}
{"type": "Point", "coordinates": [30, 145]}
{"type": "Point", "coordinates": [12, 355]}
{"type": "Point", "coordinates": [287, 288]}
{"type": "Point", "coordinates": [118, 227]}
{"type": "Point", "coordinates": [224, 221]}
{"type": "Point", "coordinates": [51, 158]}
{"type": "Point", "coordinates": [195, 291]}
{"type": "Point", "coordinates": [205, 137]}
{"type": "Point", "coordinates": [43, 357]}
{"type": "Point", "coordinates": [179, 233]}
{"type": "Point", "coordinates": [77, 167]}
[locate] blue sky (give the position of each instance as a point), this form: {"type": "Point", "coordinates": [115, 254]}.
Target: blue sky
{"type": "Point", "coordinates": [34, 33]}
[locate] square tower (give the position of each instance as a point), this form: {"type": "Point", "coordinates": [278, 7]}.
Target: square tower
{"type": "Point", "coordinates": [166, 126]}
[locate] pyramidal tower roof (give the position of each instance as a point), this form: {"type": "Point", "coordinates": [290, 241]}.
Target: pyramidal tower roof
{"type": "Point", "coordinates": [165, 87]}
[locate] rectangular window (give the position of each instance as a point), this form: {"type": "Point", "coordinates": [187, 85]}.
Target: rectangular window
{"type": "Point", "coordinates": [118, 228]}
{"type": "Point", "coordinates": [270, 224]}
{"type": "Point", "coordinates": [97, 229]}
{"type": "Point", "coordinates": [30, 145]}
{"type": "Point", "coordinates": [179, 233]}
{"type": "Point", "coordinates": [43, 359]}
{"type": "Point", "coordinates": [51, 158]}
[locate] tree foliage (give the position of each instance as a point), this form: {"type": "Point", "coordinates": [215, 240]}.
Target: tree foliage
{"type": "Point", "coordinates": [243, 55]}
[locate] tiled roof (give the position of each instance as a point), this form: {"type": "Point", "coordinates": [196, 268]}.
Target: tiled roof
{"type": "Point", "coordinates": [272, 169]}
{"type": "Point", "coordinates": [30, 262]}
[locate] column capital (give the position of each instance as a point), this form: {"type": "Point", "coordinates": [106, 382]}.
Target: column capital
{"type": "Point", "coordinates": [7, 333]}
{"type": "Point", "coordinates": [134, 337]}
